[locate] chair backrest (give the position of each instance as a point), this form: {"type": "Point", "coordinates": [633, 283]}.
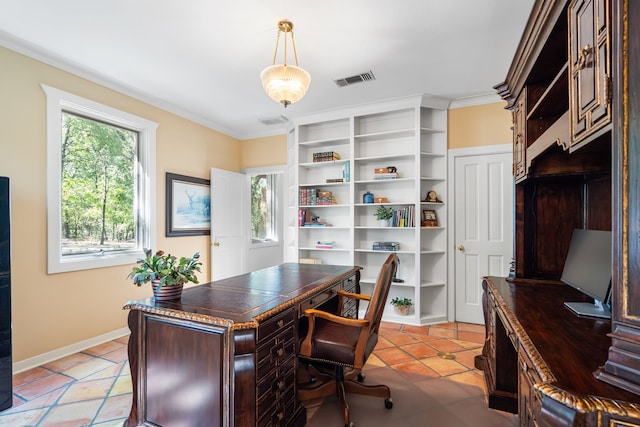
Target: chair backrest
{"type": "Point", "coordinates": [380, 293]}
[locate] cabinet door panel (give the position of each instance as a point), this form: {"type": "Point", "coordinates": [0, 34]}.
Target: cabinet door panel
{"type": "Point", "coordinates": [590, 67]}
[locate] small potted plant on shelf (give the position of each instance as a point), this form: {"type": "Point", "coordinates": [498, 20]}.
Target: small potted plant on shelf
{"type": "Point", "coordinates": [167, 273]}
{"type": "Point", "coordinates": [401, 306]}
{"type": "Point", "coordinates": [383, 214]}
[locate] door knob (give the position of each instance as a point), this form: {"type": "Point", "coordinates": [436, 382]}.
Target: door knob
{"type": "Point", "coordinates": [460, 248]}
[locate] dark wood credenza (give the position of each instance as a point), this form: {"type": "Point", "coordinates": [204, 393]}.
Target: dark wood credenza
{"type": "Point", "coordinates": [574, 93]}
{"type": "Point", "coordinates": [539, 358]}
{"type": "Point", "coordinates": [225, 353]}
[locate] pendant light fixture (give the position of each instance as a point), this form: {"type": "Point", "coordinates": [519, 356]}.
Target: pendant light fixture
{"type": "Point", "coordinates": [285, 83]}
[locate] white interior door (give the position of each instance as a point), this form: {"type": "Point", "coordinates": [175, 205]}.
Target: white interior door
{"type": "Point", "coordinates": [483, 229]}
{"type": "Point", "coordinates": [228, 224]}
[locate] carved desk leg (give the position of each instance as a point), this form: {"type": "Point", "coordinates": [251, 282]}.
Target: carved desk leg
{"type": "Point", "coordinates": [133, 352]}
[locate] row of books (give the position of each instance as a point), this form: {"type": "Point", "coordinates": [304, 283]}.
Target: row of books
{"type": "Point", "coordinates": [311, 197]}
{"type": "Point", "coordinates": [305, 260]}
{"type": "Point", "coordinates": [403, 217]}
{"type": "Point", "coordinates": [326, 156]}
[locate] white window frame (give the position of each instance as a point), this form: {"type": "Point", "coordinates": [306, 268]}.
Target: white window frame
{"type": "Point", "coordinates": [57, 101]}
{"type": "Point", "coordinates": [278, 209]}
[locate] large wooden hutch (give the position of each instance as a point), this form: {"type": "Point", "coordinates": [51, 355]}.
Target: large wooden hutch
{"type": "Point", "coordinates": [574, 90]}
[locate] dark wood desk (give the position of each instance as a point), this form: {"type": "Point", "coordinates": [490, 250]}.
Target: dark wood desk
{"type": "Point", "coordinates": [224, 355]}
{"type": "Point", "coordinates": [539, 358]}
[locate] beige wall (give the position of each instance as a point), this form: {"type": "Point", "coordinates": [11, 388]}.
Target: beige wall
{"type": "Point", "coordinates": [479, 125]}
{"type": "Point", "coordinates": [268, 151]}
{"type": "Point", "coordinates": [53, 311]}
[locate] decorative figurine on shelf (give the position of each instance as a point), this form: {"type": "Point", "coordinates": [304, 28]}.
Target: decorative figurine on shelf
{"type": "Point", "coordinates": [367, 197]}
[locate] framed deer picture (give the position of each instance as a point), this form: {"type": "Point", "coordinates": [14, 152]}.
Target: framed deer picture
{"type": "Point", "coordinates": [188, 209]}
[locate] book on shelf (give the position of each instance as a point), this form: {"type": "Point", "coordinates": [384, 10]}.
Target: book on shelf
{"type": "Point", "coordinates": [309, 261]}
{"type": "Point", "coordinates": [325, 156]}
{"type": "Point", "coordinates": [325, 244]}
{"type": "Point", "coordinates": [392, 175]}
{"type": "Point", "coordinates": [346, 172]}
{"type": "Point", "coordinates": [330, 180]}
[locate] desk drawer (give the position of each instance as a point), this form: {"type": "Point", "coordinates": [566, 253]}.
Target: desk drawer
{"type": "Point", "coordinates": [275, 324]}
{"type": "Point", "coordinates": [278, 380]}
{"type": "Point", "coordinates": [275, 354]}
{"type": "Point", "coordinates": [281, 413]}
{"type": "Point", "coordinates": [350, 284]}
{"type": "Point", "coordinates": [275, 387]}
{"type": "Point", "coordinates": [318, 299]}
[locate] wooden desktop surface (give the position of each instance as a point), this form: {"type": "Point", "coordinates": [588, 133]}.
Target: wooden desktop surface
{"type": "Point", "coordinates": [566, 348]}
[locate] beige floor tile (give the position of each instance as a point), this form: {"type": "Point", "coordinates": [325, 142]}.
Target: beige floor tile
{"type": "Point", "coordinates": [42, 386]}
{"type": "Point", "coordinates": [72, 414]}
{"type": "Point", "coordinates": [122, 385]}
{"type": "Point", "coordinates": [87, 390]}
{"type": "Point", "coordinates": [44, 401]}
{"type": "Point", "coordinates": [104, 348]}
{"type": "Point", "coordinates": [29, 376]}
{"type": "Point", "coordinates": [116, 407]}
{"type": "Point", "coordinates": [70, 361]}
{"type": "Point", "coordinates": [88, 368]}
{"type": "Point", "coordinates": [22, 419]}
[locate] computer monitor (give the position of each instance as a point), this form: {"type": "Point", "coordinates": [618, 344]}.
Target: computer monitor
{"type": "Point", "coordinates": [588, 269]}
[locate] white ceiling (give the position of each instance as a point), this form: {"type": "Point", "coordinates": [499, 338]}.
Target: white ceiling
{"type": "Point", "coordinates": [202, 59]}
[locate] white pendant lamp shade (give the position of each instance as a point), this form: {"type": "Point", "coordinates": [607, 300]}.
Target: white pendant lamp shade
{"type": "Point", "coordinates": [284, 83]}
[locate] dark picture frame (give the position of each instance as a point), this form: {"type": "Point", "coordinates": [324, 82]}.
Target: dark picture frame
{"type": "Point", "coordinates": [188, 206]}
{"type": "Point", "coordinates": [429, 218]}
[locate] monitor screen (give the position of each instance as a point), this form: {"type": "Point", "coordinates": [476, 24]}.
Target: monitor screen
{"type": "Point", "coordinates": [588, 269]}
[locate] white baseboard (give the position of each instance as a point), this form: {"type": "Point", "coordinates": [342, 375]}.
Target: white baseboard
{"type": "Point", "coordinates": [50, 356]}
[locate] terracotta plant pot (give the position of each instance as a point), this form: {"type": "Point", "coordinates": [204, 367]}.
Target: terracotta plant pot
{"type": "Point", "coordinates": [166, 292]}
{"type": "Point", "coordinates": [402, 310]}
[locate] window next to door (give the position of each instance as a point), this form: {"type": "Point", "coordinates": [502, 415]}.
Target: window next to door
{"type": "Point", "coordinates": [263, 208]}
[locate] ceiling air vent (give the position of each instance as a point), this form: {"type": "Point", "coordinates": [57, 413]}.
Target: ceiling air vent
{"type": "Point", "coordinates": [278, 120]}
{"type": "Point", "coordinates": [355, 79]}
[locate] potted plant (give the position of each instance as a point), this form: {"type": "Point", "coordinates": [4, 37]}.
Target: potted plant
{"type": "Point", "coordinates": [383, 214]}
{"type": "Point", "coordinates": [167, 273]}
{"type": "Point", "coordinates": [401, 306]}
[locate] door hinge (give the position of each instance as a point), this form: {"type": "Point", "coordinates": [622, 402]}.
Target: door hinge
{"type": "Point", "coordinates": [609, 93]}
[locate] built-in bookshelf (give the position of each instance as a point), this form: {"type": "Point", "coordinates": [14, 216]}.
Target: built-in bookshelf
{"type": "Point", "coordinates": [397, 153]}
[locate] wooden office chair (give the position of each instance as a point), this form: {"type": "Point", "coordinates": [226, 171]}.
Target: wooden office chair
{"type": "Point", "coordinates": [336, 348]}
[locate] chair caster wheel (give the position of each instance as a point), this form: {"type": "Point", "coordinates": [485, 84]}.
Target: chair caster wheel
{"type": "Point", "coordinates": [388, 403]}
{"type": "Point", "coordinates": [360, 378]}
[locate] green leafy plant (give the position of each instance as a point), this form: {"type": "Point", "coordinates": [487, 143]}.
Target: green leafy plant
{"type": "Point", "coordinates": [167, 268]}
{"type": "Point", "coordinates": [383, 213]}
{"type": "Point", "coordinates": [400, 301]}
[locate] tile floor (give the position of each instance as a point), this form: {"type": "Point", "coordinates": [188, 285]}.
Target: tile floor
{"type": "Point", "coordinates": [93, 387]}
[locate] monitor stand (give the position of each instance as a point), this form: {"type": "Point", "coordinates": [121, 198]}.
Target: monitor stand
{"type": "Point", "coordinates": [597, 309]}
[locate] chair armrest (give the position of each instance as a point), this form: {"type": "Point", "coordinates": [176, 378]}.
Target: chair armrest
{"type": "Point", "coordinates": [312, 313]}
{"type": "Point", "coordinates": [346, 294]}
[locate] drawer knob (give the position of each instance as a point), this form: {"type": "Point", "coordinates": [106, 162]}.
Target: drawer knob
{"type": "Point", "coordinates": [280, 385]}
{"type": "Point", "coordinates": [280, 416]}
{"type": "Point", "coordinates": [280, 352]}
{"type": "Point", "coordinates": [280, 323]}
